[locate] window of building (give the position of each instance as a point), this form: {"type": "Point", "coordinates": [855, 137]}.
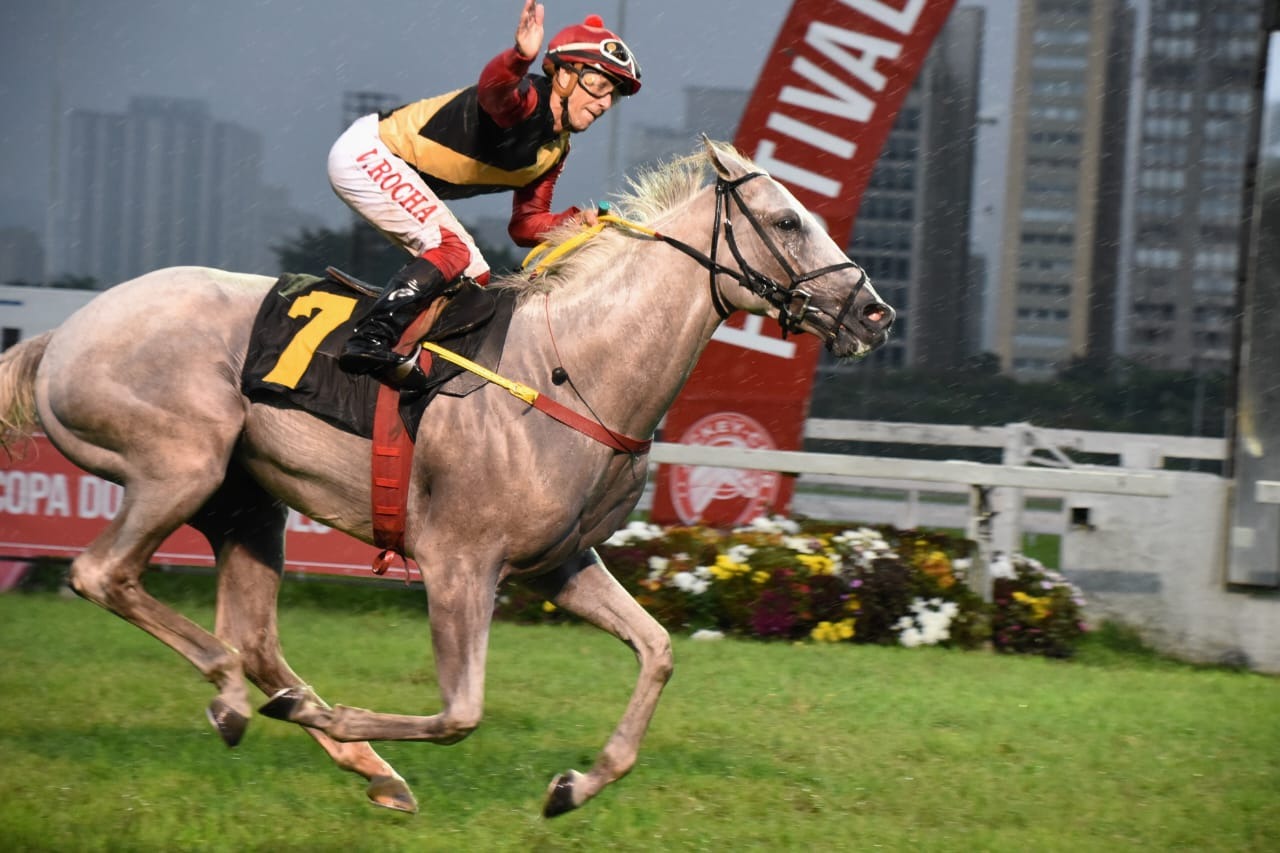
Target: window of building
{"type": "Point", "coordinates": [1171, 47]}
{"type": "Point", "coordinates": [1054, 36]}
{"type": "Point", "coordinates": [1161, 259]}
{"type": "Point", "coordinates": [1168, 100]}
{"type": "Point", "coordinates": [1166, 127]}
{"type": "Point", "coordinates": [1051, 62]}
{"type": "Point", "coordinates": [1164, 153]}
{"type": "Point", "coordinates": [1163, 179]}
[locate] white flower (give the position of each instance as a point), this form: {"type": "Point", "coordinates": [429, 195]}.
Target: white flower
{"type": "Point", "coordinates": [1001, 568]}
{"type": "Point", "coordinates": [800, 544]}
{"type": "Point", "coordinates": [690, 583]}
{"type": "Point", "coordinates": [636, 531]}
{"type": "Point", "coordinates": [911, 638]}
{"type": "Point", "coordinates": [658, 567]}
{"type": "Point", "coordinates": [774, 524]}
{"type": "Point", "coordinates": [740, 553]}
{"type": "Point", "coordinates": [928, 624]}
{"type": "Point", "coordinates": [707, 634]}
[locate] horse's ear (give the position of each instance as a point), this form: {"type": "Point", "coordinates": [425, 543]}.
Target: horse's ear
{"type": "Point", "coordinates": [728, 164]}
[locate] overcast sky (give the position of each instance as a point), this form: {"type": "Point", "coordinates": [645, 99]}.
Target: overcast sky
{"type": "Point", "coordinates": [280, 67]}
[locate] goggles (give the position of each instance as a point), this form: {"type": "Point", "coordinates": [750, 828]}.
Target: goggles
{"type": "Point", "coordinates": [612, 49]}
{"type": "Point", "coordinates": [595, 83]}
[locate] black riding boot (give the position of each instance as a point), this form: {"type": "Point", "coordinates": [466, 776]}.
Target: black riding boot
{"type": "Point", "coordinates": [408, 293]}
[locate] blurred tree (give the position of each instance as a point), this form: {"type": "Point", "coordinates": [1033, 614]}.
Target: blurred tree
{"type": "Point", "coordinates": [1119, 397]}
{"type": "Point", "coordinates": [75, 282]}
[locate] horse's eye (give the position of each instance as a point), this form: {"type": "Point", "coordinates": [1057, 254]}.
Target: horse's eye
{"type": "Point", "coordinates": [789, 223]}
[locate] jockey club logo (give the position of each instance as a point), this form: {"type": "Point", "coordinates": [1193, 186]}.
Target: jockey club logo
{"type": "Point", "coordinates": [724, 495]}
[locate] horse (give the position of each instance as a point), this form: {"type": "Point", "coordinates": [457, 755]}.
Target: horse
{"type": "Point", "coordinates": [141, 387]}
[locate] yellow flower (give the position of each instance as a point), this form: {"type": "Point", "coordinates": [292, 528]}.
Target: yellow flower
{"type": "Point", "coordinates": [760, 577]}
{"type": "Point", "coordinates": [817, 564]}
{"type": "Point", "coordinates": [548, 607]}
{"type": "Point", "coordinates": [1040, 606]}
{"type": "Point", "coordinates": [937, 565]}
{"type": "Point", "coordinates": [725, 568]}
{"type": "Point", "coordinates": [832, 632]}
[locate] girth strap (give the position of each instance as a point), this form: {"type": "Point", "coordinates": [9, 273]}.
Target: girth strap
{"type": "Point", "coordinates": [392, 459]}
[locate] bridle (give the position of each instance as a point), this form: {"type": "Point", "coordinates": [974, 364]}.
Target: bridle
{"type": "Point", "coordinates": [791, 319]}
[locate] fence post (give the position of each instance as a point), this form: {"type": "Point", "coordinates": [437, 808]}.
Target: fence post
{"type": "Point", "coordinates": [979, 530]}
{"type": "Point", "coordinates": [1007, 533]}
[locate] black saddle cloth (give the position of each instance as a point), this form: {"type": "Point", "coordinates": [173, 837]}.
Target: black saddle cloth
{"type": "Point", "coordinates": [304, 321]}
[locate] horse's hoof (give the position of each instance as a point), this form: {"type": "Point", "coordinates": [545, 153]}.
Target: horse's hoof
{"type": "Point", "coordinates": [560, 794]}
{"type": "Point", "coordinates": [229, 723]}
{"type": "Point", "coordinates": [391, 792]}
{"type": "Point", "coordinates": [283, 703]}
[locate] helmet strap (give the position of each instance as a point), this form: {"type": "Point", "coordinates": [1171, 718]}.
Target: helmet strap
{"type": "Point", "coordinates": [562, 94]}
{"type": "Point", "coordinates": [562, 91]}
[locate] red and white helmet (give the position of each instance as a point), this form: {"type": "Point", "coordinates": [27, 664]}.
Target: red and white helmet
{"type": "Point", "coordinates": [590, 45]}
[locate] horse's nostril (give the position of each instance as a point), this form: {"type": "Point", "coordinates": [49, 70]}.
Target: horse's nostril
{"type": "Point", "coordinates": [877, 314]}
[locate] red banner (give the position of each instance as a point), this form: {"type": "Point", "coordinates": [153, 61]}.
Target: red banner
{"type": "Point", "coordinates": [51, 508]}
{"type": "Point", "coordinates": [825, 102]}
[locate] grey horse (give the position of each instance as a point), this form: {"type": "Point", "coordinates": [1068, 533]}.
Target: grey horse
{"type": "Point", "coordinates": [141, 387]}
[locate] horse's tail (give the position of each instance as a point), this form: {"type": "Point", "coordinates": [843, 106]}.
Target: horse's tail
{"type": "Point", "coordinates": [18, 389]}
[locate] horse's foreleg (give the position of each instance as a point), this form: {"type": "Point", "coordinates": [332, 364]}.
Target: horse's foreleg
{"type": "Point", "coordinates": [586, 588]}
{"type": "Point", "coordinates": [250, 563]}
{"type": "Point", "coordinates": [460, 605]}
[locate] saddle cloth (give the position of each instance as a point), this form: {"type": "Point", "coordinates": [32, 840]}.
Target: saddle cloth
{"type": "Point", "coordinates": [304, 321]}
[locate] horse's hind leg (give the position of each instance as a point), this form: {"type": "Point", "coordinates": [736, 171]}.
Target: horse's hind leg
{"type": "Point", "coordinates": [109, 573]}
{"type": "Point", "coordinates": [246, 528]}
{"type": "Point", "coordinates": [584, 587]}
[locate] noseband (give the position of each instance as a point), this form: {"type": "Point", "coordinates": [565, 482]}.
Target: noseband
{"type": "Point", "coordinates": [780, 297]}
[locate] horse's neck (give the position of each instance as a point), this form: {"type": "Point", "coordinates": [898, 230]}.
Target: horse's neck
{"type": "Point", "coordinates": [630, 334]}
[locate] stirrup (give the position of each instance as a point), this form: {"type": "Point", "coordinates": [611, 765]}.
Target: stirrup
{"type": "Point", "coordinates": [367, 362]}
{"type": "Point", "coordinates": [405, 376]}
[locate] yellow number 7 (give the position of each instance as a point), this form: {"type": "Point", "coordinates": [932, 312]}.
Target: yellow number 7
{"type": "Point", "coordinates": [328, 311]}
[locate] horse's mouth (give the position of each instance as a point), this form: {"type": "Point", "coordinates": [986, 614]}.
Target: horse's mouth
{"type": "Point", "coordinates": [847, 342]}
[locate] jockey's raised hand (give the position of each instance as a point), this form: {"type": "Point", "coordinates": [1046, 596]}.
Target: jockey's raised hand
{"type": "Point", "coordinates": [400, 169]}
{"type": "Point", "coordinates": [529, 30]}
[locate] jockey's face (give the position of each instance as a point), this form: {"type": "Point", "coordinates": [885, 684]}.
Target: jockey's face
{"type": "Point", "coordinates": [591, 97]}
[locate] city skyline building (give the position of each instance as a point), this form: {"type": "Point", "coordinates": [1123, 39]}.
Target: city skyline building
{"type": "Point", "coordinates": [1061, 228]}
{"type": "Point", "coordinates": [1196, 128]}
{"type": "Point", "coordinates": [912, 231]}
{"type": "Point", "coordinates": [163, 184]}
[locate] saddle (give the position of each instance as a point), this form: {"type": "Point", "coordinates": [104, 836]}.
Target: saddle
{"type": "Point", "coordinates": [304, 321]}
{"type": "Point", "coordinates": [292, 361]}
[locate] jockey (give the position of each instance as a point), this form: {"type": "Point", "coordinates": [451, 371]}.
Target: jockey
{"type": "Point", "coordinates": [508, 132]}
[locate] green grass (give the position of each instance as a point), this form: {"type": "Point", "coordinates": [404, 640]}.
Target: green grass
{"type": "Point", "coordinates": [756, 746]}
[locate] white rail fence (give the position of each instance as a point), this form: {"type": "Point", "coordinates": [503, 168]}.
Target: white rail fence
{"type": "Point", "coordinates": [1034, 464]}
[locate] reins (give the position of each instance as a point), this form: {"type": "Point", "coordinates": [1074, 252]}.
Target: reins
{"type": "Point", "coordinates": [780, 297]}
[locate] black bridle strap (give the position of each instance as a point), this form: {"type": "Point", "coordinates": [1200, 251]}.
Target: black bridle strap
{"type": "Point", "coordinates": [753, 280]}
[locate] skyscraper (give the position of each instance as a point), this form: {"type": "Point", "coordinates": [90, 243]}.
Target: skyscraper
{"type": "Point", "coordinates": [912, 230]}
{"type": "Point", "coordinates": [1061, 228]}
{"type": "Point", "coordinates": [1196, 123]}
{"type": "Point", "coordinates": [162, 184]}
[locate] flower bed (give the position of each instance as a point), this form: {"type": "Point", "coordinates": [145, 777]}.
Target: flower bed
{"type": "Point", "coordinates": [777, 579]}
